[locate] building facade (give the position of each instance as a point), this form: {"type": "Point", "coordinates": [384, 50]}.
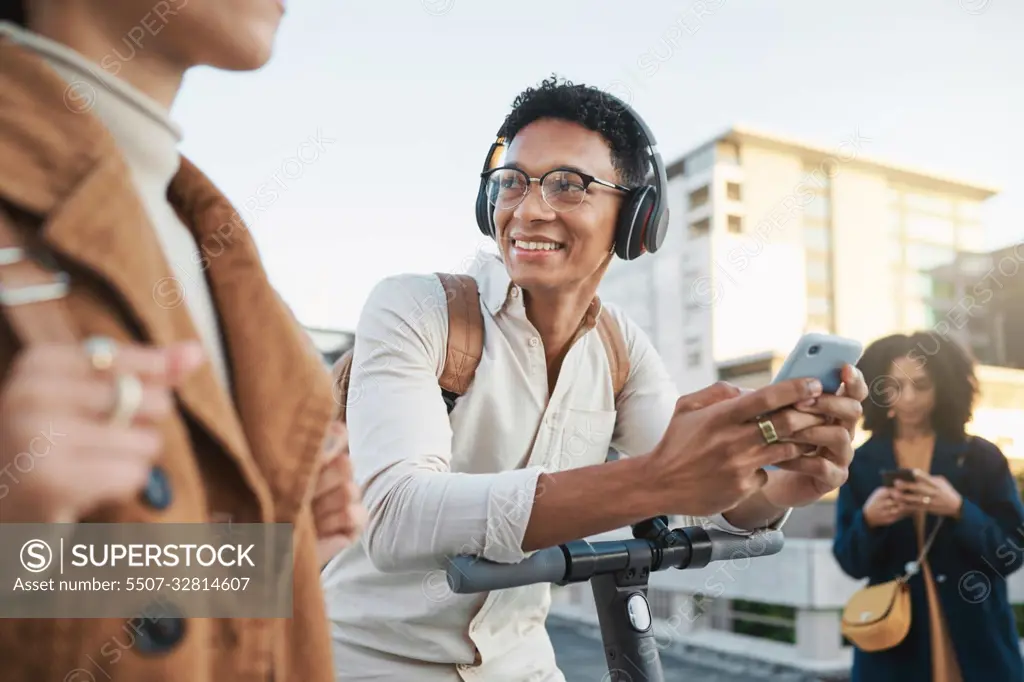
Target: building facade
{"type": "Point", "coordinates": [770, 238]}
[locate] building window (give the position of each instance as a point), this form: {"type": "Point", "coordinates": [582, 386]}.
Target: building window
{"type": "Point", "coordinates": [816, 238]}
{"type": "Point", "coordinates": [732, 191]}
{"type": "Point", "coordinates": [969, 211]}
{"type": "Point", "coordinates": [918, 285]}
{"type": "Point", "coordinates": [700, 161]}
{"type": "Point", "coordinates": [818, 306]}
{"type": "Point", "coordinates": [735, 224]}
{"type": "Point", "coordinates": [895, 222]}
{"type": "Point", "coordinates": [929, 203]}
{"type": "Point", "coordinates": [699, 197]}
{"type": "Point", "coordinates": [729, 153]}
{"type": "Point", "coordinates": [930, 228]}
{"type": "Point", "coordinates": [895, 252]}
{"type": "Point", "coordinates": [818, 207]}
{"type": "Point", "coordinates": [700, 227]}
{"type": "Point", "coordinates": [817, 270]}
{"type": "Point", "coordinates": [929, 256]}
{"type": "Point", "coordinates": [693, 354]}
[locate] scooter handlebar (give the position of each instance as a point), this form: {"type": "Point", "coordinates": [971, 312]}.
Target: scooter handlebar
{"type": "Point", "coordinates": [469, 574]}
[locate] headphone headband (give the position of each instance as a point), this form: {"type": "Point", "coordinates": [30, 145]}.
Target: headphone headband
{"type": "Point", "coordinates": [643, 220]}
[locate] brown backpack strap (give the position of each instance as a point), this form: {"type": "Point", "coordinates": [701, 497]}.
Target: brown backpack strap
{"type": "Point", "coordinates": [341, 373]}
{"type": "Point", "coordinates": [465, 333]}
{"type": "Point", "coordinates": [615, 347]}
{"type": "Point", "coordinates": [32, 297]}
{"type": "Point", "coordinates": [465, 345]}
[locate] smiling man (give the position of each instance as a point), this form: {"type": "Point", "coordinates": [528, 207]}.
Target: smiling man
{"type": "Point", "coordinates": [518, 463]}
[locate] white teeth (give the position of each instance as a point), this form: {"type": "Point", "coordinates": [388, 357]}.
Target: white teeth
{"type": "Point", "coordinates": [536, 246]}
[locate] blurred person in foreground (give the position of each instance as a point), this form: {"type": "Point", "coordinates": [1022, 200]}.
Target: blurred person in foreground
{"type": "Point", "coordinates": [519, 464]}
{"type": "Point", "coordinates": [182, 387]}
{"type": "Point", "coordinates": [962, 625]}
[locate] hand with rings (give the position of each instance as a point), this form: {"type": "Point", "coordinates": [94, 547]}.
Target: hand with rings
{"type": "Point", "coordinates": [933, 494]}
{"type": "Point", "coordinates": [829, 446]}
{"type": "Point", "coordinates": [712, 456]}
{"type": "Point", "coordinates": [884, 508]}
{"type": "Point", "coordinates": [80, 424]}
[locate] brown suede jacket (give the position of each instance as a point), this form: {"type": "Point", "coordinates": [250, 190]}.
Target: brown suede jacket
{"type": "Point", "coordinates": [250, 457]}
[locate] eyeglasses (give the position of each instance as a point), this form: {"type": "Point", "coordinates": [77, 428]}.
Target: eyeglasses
{"type": "Point", "coordinates": [563, 189]}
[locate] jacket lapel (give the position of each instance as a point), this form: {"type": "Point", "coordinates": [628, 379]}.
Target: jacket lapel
{"type": "Point", "coordinates": [282, 386]}
{"type": "Point", "coordinates": [64, 166]}
{"type": "Point", "coordinates": [102, 227]}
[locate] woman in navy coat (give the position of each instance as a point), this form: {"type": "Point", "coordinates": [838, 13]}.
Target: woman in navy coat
{"type": "Point", "coordinates": [962, 629]}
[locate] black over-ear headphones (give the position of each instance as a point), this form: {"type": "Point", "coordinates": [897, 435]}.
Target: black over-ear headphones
{"type": "Point", "coordinates": [643, 220]}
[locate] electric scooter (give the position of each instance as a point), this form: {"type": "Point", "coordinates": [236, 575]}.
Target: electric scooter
{"type": "Point", "coordinates": [618, 571]}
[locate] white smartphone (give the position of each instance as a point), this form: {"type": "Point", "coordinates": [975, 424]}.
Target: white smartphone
{"type": "Point", "coordinates": [821, 357]}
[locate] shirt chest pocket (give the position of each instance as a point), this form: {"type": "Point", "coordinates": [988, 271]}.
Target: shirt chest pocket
{"type": "Point", "coordinates": [584, 439]}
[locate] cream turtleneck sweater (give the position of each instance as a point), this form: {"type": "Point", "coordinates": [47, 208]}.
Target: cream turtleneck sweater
{"type": "Point", "coordinates": [148, 141]}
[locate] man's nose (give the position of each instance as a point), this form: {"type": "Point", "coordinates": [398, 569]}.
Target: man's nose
{"type": "Point", "coordinates": [533, 207]}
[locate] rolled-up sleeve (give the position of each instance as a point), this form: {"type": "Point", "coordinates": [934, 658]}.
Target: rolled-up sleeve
{"type": "Point", "coordinates": [400, 441]}
{"type": "Point", "coordinates": [645, 407]}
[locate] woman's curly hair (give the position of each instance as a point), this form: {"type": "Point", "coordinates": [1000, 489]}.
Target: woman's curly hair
{"type": "Point", "coordinates": [948, 364]}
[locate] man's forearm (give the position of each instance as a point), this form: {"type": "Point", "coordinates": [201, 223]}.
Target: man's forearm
{"type": "Point", "coordinates": [574, 504]}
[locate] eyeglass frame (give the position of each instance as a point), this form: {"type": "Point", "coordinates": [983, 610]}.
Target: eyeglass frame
{"type": "Point", "coordinates": [587, 178]}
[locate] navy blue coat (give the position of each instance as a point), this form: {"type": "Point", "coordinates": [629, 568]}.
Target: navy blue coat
{"type": "Point", "coordinates": [970, 561]}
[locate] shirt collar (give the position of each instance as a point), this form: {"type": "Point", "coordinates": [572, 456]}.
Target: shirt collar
{"type": "Point", "coordinates": [498, 291]}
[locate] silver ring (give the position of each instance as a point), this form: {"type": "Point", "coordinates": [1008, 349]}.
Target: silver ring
{"type": "Point", "coordinates": [128, 399]}
{"type": "Point", "coordinates": [101, 351]}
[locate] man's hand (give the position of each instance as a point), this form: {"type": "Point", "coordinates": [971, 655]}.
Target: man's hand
{"type": "Point", "coordinates": [712, 454]}
{"type": "Point", "coordinates": [338, 510]}
{"type": "Point", "coordinates": [804, 480]}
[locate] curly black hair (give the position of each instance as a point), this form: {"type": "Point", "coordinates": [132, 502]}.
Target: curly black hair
{"type": "Point", "coordinates": [591, 108]}
{"type": "Point", "coordinates": [950, 367]}
{"type": "Point", "coordinates": [13, 11]}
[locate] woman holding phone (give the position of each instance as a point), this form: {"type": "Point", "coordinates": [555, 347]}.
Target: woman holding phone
{"type": "Point", "coordinates": [918, 468]}
{"type": "Point", "coordinates": [149, 373]}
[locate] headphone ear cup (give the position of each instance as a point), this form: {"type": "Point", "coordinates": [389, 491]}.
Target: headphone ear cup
{"type": "Point", "coordinates": [483, 211]}
{"type": "Point", "coordinates": [631, 232]}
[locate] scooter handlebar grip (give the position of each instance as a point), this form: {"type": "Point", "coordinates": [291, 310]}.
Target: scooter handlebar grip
{"type": "Point", "coordinates": [469, 574]}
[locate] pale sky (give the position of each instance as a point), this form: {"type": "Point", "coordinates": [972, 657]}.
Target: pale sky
{"type": "Point", "coordinates": [391, 106]}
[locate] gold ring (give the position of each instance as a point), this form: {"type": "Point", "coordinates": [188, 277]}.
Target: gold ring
{"type": "Point", "coordinates": [101, 352]}
{"type": "Point", "coordinates": [768, 431]}
{"type": "Point", "coordinates": [128, 400]}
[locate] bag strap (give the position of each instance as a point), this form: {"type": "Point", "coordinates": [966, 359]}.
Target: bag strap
{"type": "Point", "coordinates": [466, 346]}
{"type": "Point", "coordinates": [32, 298]}
{"type": "Point", "coordinates": [615, 347]}
{"type": "Point", "coordinates": [465, 335]}
{"type": "Point", "coordinates": [935, 531]}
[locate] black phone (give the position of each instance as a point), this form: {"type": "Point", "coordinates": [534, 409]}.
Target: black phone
{"type": "Point", "coordinates": [890, 476]}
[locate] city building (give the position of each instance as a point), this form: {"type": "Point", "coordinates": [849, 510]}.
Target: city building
{"type": "Point", "coordinates": [332, 343]}
{"type": "Point", "coordinates": [770, 238]}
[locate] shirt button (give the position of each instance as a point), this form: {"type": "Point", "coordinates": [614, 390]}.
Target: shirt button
{"type": "Point", "coordinates": [534, 342]}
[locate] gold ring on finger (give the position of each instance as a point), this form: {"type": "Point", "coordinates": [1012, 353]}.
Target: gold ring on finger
{"type": "Point", "coordinates": [926, 500]}
{"type": "Point", "coordinates": [101, 352]}
{"type": "Point", "coordinates": [768, 431]}
{"type": "Point", "coordinates": [127, 401]}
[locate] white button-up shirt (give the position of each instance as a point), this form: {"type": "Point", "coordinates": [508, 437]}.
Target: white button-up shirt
{"type": "Point", "coordinates": [437, 485]}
